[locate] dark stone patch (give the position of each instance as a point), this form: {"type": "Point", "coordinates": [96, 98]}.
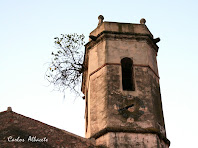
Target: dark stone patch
{"type": "Point", "coordinates": [136, 103]}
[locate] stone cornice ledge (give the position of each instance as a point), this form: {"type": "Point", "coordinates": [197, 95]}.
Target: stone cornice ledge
{"type": "Point", "coordinates": [122, 35]}
{"type": "Point", "coordinates": [127, 130]}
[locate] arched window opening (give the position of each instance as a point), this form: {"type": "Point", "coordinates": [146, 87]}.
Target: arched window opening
{"type": "Point", "coordinates": [127, 74]}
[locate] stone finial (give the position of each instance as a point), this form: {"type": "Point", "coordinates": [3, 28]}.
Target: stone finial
{"type": "Point", "coordinates": [9, 109]}
{"type": "Point", "coordinates": [100, 18]}
{"type": "Point", "coordinates": [142, 21]}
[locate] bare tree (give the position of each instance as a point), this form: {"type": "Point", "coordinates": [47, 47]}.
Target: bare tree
{"type": "Point", "coordinates": [66, 68]}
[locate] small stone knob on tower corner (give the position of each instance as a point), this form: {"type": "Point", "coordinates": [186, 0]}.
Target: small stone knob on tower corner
{"type": "Point", "coordinates": [100, 18]}
{"type": "Point", "coordinates": [9, 109]}
{"type": "Point", "coordinates": [142, 21]}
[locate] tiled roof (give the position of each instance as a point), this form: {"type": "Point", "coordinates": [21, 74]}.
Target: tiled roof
{"type": "Point", "coordinates": [17, 130]}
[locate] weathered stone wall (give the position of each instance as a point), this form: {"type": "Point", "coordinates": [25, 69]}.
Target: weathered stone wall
{"type": "Point", "coordinates": [106, 97]}
{"type": "Point", "coordinates": [139, 51]}
{"type": "Point", "coordinates": [130, 140]}
{"type": "Point", "coordinates": [97, 57]}
{"type": "Point", "coordinates": [98, 108]}
{"type": "Point", "coordinates": [121, 28]}
{"type": "Point", "coordinates": [107, 100]}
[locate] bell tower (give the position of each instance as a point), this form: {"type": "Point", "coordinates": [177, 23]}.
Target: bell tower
{"type": "Point", "coordinates": [121, 87]}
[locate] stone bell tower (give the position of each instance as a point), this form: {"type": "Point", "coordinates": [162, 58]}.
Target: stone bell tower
{"type": "Point", "coordinates": [121, 87]}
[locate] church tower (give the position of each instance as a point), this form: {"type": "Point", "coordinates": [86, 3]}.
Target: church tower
{"type": "Point", "coordinates": [121, 87]}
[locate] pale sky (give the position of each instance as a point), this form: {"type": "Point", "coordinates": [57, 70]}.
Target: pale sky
{"type": "Point", "coordinates": [27, 29]}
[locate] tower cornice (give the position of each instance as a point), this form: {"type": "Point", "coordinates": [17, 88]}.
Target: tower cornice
{"type": "Point", "coordinates": [127, 130]}
{"type": "Point", "coordinates": [123, 36]}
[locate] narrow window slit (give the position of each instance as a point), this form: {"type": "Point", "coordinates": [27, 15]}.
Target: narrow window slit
{"type": "Point", "coordinates": [127, 74]}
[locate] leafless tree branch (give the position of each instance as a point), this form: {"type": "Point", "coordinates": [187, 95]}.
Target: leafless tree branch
{"type": "Point", "coordinates": [65, 71]}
